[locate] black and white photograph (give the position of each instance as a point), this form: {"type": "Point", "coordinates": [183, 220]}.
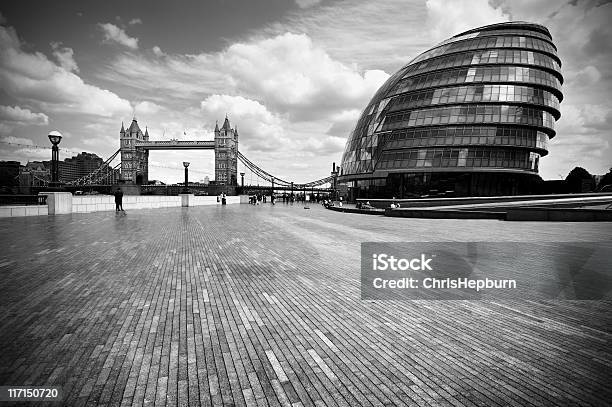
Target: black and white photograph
{"type": "Point", "coordinates": [306, 203]}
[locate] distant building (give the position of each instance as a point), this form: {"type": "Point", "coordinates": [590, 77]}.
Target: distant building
{"type": "Point", "coordinates": [71, 169]}
{"type": "Point", "coordinates": [226, 154]}
{"type": "Point", "coordinates": [206, 180]}
{"type": "Point", "coordinates": [35, 173]}
{"type": "Point", "coordinates": [85, 163]}
{"type": "Point", "coordinates": [9, 174]}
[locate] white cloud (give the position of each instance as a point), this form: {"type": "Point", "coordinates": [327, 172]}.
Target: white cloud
{"type": "Point", "coordinates": [447, 18]}
{"type": "Point", "coordinates": [298, 78]}
{"type": "Point", "coordinates": [34, 78]}
{"type": "Point", "coordinates": [368, 34]}
{"type": "Point", "coordinates": [24, 116]}
{"type": "Point", "coordinates": [112, 33]}
{"type": "Point", "coordinates": [158, 51]}
{"type": "Point", "coordinates": [264, 129]}
{"type": "Point", "coordinates": [65, 57]}
{"type": "Point", "coordinates": [325, 146]}
{"type": "Point", "coordinates": [25, 155]}
{"type": "Point", "coordinates": [287, 72]}
{"type": "Point", "coordinates": [307, 3]}
{"type": "Point", "coordinates": [17, 140]}
{"type": "Point", "coordinates": [135, 21]}
{"type": "Point", "coordinates": [146, 107]}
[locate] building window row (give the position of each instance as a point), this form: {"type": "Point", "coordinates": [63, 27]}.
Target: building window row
{"type": "Point", "coordinates": [470, 114]}
{"type": "Point", "coordinates": [506, 32]}
{"type": "Point", "coordinates": [460, 157]}
{"type": "Point", "coordinates": [503, 41]}
{"type": "Point", "coordinates": [475, 93]}
{"type": "Point", "coordinates": [488, 56]}
{"type": "Point", "coordinates": [520, 137]}
{"type": "Point", "coordinates": [478, 74]}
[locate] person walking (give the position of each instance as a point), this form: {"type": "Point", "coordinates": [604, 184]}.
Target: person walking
{"type": "Point", "coordinates": [119, 200]}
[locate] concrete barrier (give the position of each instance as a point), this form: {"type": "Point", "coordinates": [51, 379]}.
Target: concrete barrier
{"type": "Point", "coordinates": [100, 203]}
{"type": "Point", "coordinates": [65, 202]}
{"type": "Point", "coordinates": [432, 202]}
{"type": "Point", "coordinates": [559, 215]}
{"type": "Point", "coordinates": [23, 210]}
{"type": "Point", "coordinates": [443, 214]}
{"type": "Point", "coordinates": [58, 202]}
{"type": "Point", "coordinates": [355, 210]}
{"type": "Point", "coordinates": [96, 203]}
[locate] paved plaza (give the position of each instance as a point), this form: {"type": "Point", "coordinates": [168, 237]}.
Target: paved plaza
{"type": "Point", "coordinates": [260, 305]}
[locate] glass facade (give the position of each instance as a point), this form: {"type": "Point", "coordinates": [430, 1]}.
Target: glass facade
{"type": "Point", "coordinates": [477, 107]}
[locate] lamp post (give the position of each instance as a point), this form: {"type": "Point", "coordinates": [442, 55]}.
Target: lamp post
{"type": "Point", "coordinates": [186, 165]}
{"type": "Point", "coordinates": [55, 137]}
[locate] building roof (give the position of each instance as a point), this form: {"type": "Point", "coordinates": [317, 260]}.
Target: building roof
{"type": "Point", "coordinates": [134, 127]}
{"type": "Point", "coordinates": [226, 124]}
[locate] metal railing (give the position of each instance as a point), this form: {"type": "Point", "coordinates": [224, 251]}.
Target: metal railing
{"type": "Point", "coordinates": [23, 200]}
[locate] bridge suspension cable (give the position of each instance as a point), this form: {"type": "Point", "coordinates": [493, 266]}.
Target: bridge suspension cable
{"type": "Point", "coordinates": [261, 172]}
{"type": "Point", "coordinates": [255, 169]}
{"type": "Point", "coordinates": [103, 172]}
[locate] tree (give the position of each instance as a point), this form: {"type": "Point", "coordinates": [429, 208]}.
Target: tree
{"type": "Point", "coordinates": [579, 180]}
{"type": "Point", "coordinates": [605, 180]}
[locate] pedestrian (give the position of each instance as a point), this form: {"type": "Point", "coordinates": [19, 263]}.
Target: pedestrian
{"type": "Point", "coordinates": [223, 200]}
{"type": "Point", "coordinates": [119, 200]}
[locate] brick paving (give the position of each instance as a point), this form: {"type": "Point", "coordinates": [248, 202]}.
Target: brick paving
{"type": "Point", "coordinates": [244, 305]}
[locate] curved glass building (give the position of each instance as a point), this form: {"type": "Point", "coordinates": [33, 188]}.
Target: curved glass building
{"type": "Point", "coordinates": [471, 116]}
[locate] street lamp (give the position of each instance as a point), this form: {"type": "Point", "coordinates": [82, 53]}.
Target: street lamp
{"type": "Point", "coordinates": [55, 137]}
{"type": "Point", "coordinates": [186, 165]}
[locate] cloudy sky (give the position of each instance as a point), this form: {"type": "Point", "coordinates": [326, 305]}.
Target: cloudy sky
{"type": "Point", "coordinates": [293, 75]}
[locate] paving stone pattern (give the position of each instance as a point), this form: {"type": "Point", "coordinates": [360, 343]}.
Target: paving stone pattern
{"type": "Point", "coordinates": [260, 305]}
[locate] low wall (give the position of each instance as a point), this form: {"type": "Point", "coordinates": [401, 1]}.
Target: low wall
{"type": "Point", "coordinates": [430, 202]}
{"type": "Point", "coordinates": [96, 203]}
{"type": "Point", "coordinates": [23, 210]}
{"type": "Point", "coordinates": [559, 215]}
{"type": "Point", "coordinates": [443, 214]}
{"type": "Point", "coordinates": [355, 210]}
{"type": "Point", "coordinates": [65, 202]}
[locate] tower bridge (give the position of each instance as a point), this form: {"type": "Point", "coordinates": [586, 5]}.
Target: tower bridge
{"type": "Point", "coordinates": [135, 146]}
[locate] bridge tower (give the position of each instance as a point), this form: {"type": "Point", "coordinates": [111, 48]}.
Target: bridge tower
{"type": "Point", "coordinates": [226, 154]}
{"type": "Point", "coordinates": [134, 161]}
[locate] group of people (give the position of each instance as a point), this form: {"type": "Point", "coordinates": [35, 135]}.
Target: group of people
{"type": "Point", "coordinates": [329, 203]}
{"type": "Point", "coordinates": [258, 199]}
{"type": "Point", "coordinates": [287, 198]}
{"type": "Point", "coordinates": [366, 205]}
